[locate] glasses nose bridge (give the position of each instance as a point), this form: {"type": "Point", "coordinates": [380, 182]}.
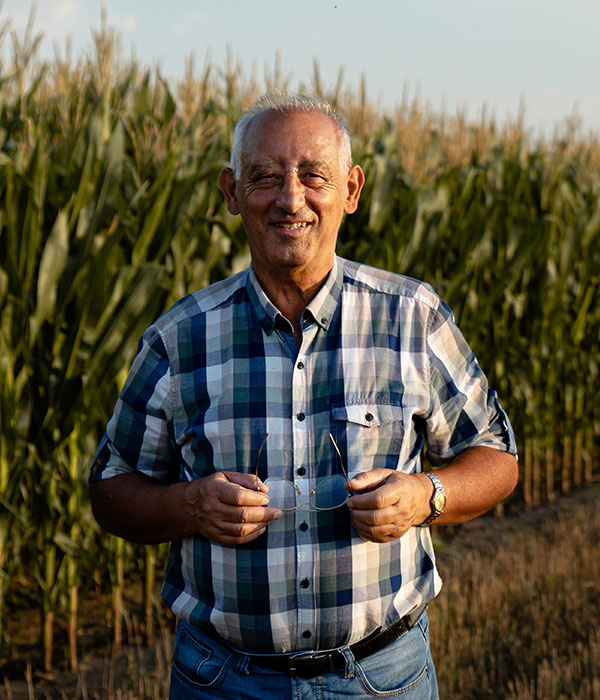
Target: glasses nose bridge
{"type": "Point", "coordinates": [309, 498]}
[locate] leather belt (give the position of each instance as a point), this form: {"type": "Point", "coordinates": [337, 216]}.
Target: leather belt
{"type": "Point", "coordinates": [317, 663]}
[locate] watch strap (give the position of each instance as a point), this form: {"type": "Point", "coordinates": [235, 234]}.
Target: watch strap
{"type": "Point", "coordinates": [437, 489]}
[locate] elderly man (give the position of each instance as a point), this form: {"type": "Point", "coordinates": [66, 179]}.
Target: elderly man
{"type": "Point", "coordinates": [272, 427]}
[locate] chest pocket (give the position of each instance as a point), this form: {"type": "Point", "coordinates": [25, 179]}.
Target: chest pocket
{"type": "Point", "coordinates": [369, 435]}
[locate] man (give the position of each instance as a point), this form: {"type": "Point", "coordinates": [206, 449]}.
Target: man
{"type": "Point", "coordinates": [305, 369]}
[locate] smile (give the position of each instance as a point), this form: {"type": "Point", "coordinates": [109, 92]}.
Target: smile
{"type": "Point", "coordinates": [294, 226]}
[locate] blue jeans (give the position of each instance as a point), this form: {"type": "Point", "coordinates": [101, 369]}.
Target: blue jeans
{"type": "Point", "coordinates": [203, 668]}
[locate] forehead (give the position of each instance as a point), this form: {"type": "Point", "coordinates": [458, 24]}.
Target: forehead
{"type": "Point", "coordinates": [292, 137]}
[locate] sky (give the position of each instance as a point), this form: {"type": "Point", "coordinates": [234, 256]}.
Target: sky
{"type": "Point", "coordinates": [501, 56]}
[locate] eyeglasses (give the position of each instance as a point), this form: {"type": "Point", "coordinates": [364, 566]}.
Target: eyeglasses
{"type": "Point", "coordinates": [328, 493]}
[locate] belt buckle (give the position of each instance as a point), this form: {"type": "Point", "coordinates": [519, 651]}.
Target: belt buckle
{"type": "Point", "coordinates": [300, 664]}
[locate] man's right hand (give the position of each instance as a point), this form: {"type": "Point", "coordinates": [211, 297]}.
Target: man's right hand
{"type": "Point", "coordinates": [229, 508]}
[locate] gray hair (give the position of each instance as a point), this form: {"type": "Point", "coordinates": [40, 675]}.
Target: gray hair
{"type": "Point", "coordinates": [280, 102]}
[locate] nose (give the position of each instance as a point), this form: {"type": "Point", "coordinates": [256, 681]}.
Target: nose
{"type": "Point", "coordinates": [291, 193]}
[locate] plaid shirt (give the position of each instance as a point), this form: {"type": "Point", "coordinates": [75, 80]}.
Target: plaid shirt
{"type": "Point", "coordinates": [381, 366]}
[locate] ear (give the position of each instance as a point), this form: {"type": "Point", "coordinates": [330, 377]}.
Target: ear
{"type": "Point", "coordinates": [356, 180]}
{"type": "Point", "coordinates": [227, 185]}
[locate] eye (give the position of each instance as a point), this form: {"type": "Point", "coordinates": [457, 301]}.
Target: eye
{"type": "Point", "coordinates": [313, 177]}
{"type": "Point", "coordinates": [265, 179]}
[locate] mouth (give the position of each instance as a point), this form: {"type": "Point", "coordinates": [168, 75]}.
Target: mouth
{"type": "Point", "coordinates": [294, 226]}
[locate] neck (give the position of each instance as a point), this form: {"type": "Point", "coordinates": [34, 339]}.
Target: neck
{"type": "Point", "coordinates": [290, 293]}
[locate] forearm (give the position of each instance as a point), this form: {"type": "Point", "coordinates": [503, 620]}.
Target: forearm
{"type": "Point", "coordinates": [140, 509]}
{"type": "Point", "coordinates": [229, 508]}
{"type": "Point", "coordinates": [474, 482]}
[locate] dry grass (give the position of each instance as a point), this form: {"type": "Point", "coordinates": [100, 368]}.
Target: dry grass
{"type": "Point", "coordinates": [518, 616]}
{"type": "Point", "coordinates": [136, 672]}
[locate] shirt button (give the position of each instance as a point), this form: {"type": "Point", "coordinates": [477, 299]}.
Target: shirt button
{"type": "Point", "coordinates": [300, 416]}
{"type": "Point", "coordinates": [369, 417]}
{"type": "Point", "coordinates": [300, 365]}
{"type": "Point", "coordinates": [301, 471]}
{"type": "Point", "coordinates": [303, 527]}
{"type": "Point", "coordinates": [304, 583]}
{"type": "Point", "coordinates": [307, 634]}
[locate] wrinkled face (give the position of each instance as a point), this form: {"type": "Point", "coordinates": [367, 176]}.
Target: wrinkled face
{"type": "Point", "coordinates": [292, 192]}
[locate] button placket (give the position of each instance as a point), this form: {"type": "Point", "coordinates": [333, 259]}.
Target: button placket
{"type": "Point", "coordinates": [301, 425]}
{"type": "Point", "coordinates": [304, 572]}
{"type": "Point", "coordinates": [300, 417]}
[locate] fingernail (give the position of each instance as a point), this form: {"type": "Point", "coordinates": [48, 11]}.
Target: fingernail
{"type": "Point", "coordinates": [277, 514]}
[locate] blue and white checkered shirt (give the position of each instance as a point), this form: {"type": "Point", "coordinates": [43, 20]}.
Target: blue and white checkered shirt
{"type": "Point", "coordinates": [382, 366]}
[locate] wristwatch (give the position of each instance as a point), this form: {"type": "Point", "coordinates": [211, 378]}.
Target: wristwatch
{"type": "Point", "coordinates": [438, 500]}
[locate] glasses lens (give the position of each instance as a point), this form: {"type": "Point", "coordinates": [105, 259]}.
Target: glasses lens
{"type": "Point", "coordinates": [282, 493]}
{"type": "Point", "coordinates": [330, 493]}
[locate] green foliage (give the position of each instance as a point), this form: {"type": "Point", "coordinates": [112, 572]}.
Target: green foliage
{"type": "Point", "coordinates": [109, 212]}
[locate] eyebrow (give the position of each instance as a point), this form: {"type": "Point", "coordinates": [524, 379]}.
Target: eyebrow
{"type": "Point", "coordinates": [261, 166]}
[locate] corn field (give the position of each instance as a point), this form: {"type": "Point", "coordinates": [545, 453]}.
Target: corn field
{"type": "Point", "coordinates": [109, 212]}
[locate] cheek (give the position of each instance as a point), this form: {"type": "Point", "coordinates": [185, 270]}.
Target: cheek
{"type": "Point", "coordinates": [253, 209]}
{"type": "Point", "coordinates": [329, 200]}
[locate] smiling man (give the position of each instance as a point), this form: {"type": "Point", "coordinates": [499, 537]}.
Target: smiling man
{"type": "Point", "coordinates": [294, 185]}
{"type": "Point", "coordinates": [272, 428]}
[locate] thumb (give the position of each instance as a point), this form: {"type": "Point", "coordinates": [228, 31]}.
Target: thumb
{"type": "Point", "coordinates": [368, 481]}
{"type": "Point", "coordinates": [247, 481]}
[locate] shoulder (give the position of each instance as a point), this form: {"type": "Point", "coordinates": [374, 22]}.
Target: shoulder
{"type": "Point", "coordinates": [219, 295]}
{"type": "Point", "coordinates": [191, 311]}
{"type": "Point", "coordinates": [374, 282]}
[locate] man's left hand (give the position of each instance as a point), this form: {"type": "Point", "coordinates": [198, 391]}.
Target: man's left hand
{"type": "Point", "coordinates": [385, 503]}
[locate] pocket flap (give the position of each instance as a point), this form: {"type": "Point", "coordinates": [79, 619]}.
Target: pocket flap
{"type": "Point", "coordinates": [367, 414]}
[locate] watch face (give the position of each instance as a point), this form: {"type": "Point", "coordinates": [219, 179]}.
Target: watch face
{"type": "Point", "coordinates": [439, 501]}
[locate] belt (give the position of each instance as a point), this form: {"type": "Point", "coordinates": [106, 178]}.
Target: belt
{"type": "Point", "coordinates": [317, 663]}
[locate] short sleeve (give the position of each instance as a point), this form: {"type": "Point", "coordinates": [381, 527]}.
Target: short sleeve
{"type": "Point", "coordinates": [465, 411]}
{"type": "Point", "coordinates": [139, 434]}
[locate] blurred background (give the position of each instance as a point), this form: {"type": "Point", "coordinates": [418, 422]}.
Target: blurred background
{"type": "Point", "coordinates": [536, 59]}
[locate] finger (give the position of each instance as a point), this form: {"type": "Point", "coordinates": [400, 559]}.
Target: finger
{"type": "Point", "coordinates": [375, 517]}
{"type": "Point", "coordinates": [232, 540]}
{"type": "Point", "coordinates": [384, 532]}
{"type": "Point", "coordinates": [379, 536]}
{"type": "Point", "coordinates": [248, 491]}
{"type": "Point", "coordinates": [380, 498]}
{"type": "Point", "coordinates": [369, 481]}
{"type": "Point", "coordinates": [247, 514]}
{"type": "Point", "coordinates": [240, 524]}
{"type": "Point", "coordinates": [248, 481]}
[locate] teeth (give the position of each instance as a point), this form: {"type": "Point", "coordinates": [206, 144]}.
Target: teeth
{"type": "Point", "coordinates": [293, 227]}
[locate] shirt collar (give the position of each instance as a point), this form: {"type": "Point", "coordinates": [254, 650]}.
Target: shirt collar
{"type": "Point", "coordinates": [321, 308]}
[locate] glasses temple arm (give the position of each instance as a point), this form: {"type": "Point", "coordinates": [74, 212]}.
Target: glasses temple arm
{"type": "Point", "coordinates": [258, 454]}
{"type": "Point", "coordinates": [339, 454]}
